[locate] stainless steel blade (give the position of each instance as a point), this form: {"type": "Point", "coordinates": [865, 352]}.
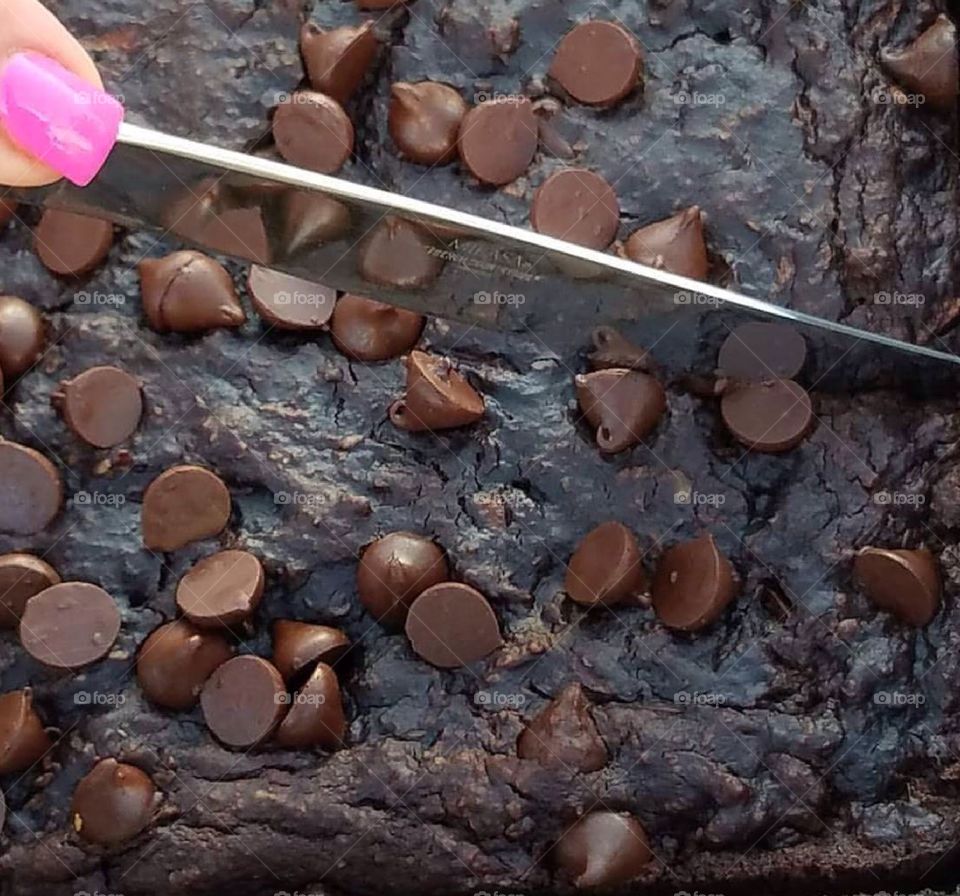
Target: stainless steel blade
{"type": "Point", "coordinates": [452, 264]}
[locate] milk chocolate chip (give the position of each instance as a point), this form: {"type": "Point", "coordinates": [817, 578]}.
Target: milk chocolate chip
{"type": "Point", "coordinates": [337, 61]}
{"type": "Point", "coordinates": [762, 351]}
{"type": "Point", "coordinates": [612, 349]}
{"type": "Point", "coordinates": [394, 571]}
{"type": "Point", "coordinates": [693, 584]}
{"type": "Point", "coordinates": [102, 405]}
{"type": "Point", "coordinates": [771, 417]}
{"type": "Point", "coordinates": [290, 303]}
{"type": "Point", "coordinates": [603, 849]}
{"type": "Point", "coordinates": [312, 130]}
{"type": "Point", "coordinates": [113, 803]}
{"type": "Point", "coordinates": [623, 405]}
{"type": "Point", "coordinates": [903, 582]}
{"type": "Point", "coordinates": [398, 254]}
{"type": "Point", "coordinates": [368, 330]}
{"type": "Point", "coordinates": [221, 590]}
{"type": "Point", "coordinates": [564, 734]}
{"type": "Point", "coordinates": [437, 397]}
{"type": "Point", "coordinates": [72, 245]}
{"type": "Point", "coordinates": [31, 491]}
{"type": "Point", "coordinates": [176, 660]}
{"type": "Point", "coordinates": [928, 66]}
{"type": "Point", "coordinates": [425, 120]}
{"type": "Point", "coordinates": [598, 63]}
{"type": "Point", "coordinates": [22, 336]}
{"type": "Point", "coordinates": [188, 292]}
{"type": "Point", "coordinates": [606, 567]}
{"type": "Point", "coordinates": [21, 577]}
{"type": "Point", "coordinates": [452, 625]}
{"type": "Point", "coordinates": [23, 740]}
{"type": "Point", "coordinates": [675, 245]}
{"type": "Point", "coordinates": [300, 645]}
{"type": "Point", "coordinates": [308, 220]}
{"type": "Point", "coordinates": [244, 701]}
{"type": "Point", "coordinates": [181, 505]}
{"type": "Point", "coordinates": [578, 206]}
{"type": "Point", "coordinates": [498, 140]}
{"type": "Point", "coordinates": [316, 716]}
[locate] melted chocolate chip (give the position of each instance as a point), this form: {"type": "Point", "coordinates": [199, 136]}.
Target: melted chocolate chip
{"type": "Point", "coordinates": [623, 405]}
{"type": "Point", "coordinates": [21, 577]}
{"type": "Point", "coordinates": [903, 582]}
{"type": "Point", "coordinates": [564, 734]}
{"type": "Point", "coordinates": [578, 206]}
{"type": "Point", "coordinates": [102, 405]}
{"type": "Point", "coordinates": [300, 645]}
{"type": "Point", "coordinates": [452, 625]}
{"type": "Point", "coordinates": [675, 245]}
{"type": "Point", "coordinates": [498, 140]}
{"type": "Point", "coordinates": [367, 330]}
{"type": "Point", "coordinates": [31, 491]}
{"type": "Point", "coordinates": [222, 589]}
{"type": "Point", "coordinates": [316, 717]}
{"type": "Point", "coordinates": [394, 571]}
{"type": "Point", "coordinates": [928, 66]}
{"type": "Point", "coordinates": [312, 130]}
{"type": "Point", "coordinates": [188, 292]}
{"type": "Point", "coordinates": [398, 254]}
{"type": "Point", "coordinates": [176, 660]}
{"type": "Point", "coordinates": [613, 349]}
{"type": "Point", "coordinates": [22, 336]}
{"type": "Point", "coordinates": [337, 61]}
{"type": "Point", "coordinates": [761, 351]}
{"type": "Point", "coordinates": [693, 584]}
{"type": "Point", "coordinates": [113, 803]}
{"type": "Point", "coordinates": [437, 397]}
{"type": "Point", "coordinates": [72, 245]}
{"type": "Point", "coordinates": [181, 505]}
{"type": "Point", "coordinates": [771, 417]}
{"type": "Point", "coordinates": [606, 567]}
{"type": "Point", "coordinates": [603, 849]}
{"type": "Point", "coordinates": [244, 701]}
{"type": "Point", "coordinates": [69, 625]}
{"type": "Point", "coordinates": [598, 63]}
{"type": "Point", "coordinates": [23, 740]}
{"type": "Point", "coordinates": [290, 303]}
{"type": "Point", "coordinates": [425, 120]}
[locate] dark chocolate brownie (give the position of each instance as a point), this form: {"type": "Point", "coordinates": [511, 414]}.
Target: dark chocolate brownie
{"type": "Point", "coordinates": [805, 740]}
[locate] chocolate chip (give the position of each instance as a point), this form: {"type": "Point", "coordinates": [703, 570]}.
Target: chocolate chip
{"type": "Point", "coordinates": [903, 582]}
{"type": "Point", "coordinates": [498, 140]}
{"type": "Point", "coordinates": [598, 63]}
{"type": "Point", "coordinates": [675, 245]}
{"type": "Point", "coordinates": [102, 405]}
{"type": "Point", "coordinates": [760, 351]}
{"type": "Point", "coordinates": [181, 505]}
{"type": "Point", "coordinates": [578, 206]}
{"type": "Point", "coordinates": [693, 584]}
{"type": "Point", "coordinates": [23, 740]}
{"type": "Point", "coordinates": [31, 491]}
{"type": "Point", "coordinates": [290, 303]}
{"type": "Point", "coordinates": [113, 803]}
{"type": "Point", "coordinates": [399, 254]}
{"type": "Point", "coordinates": [452, 625]}
{"type": "Point", "coordinates": [603, 849]}
{"type": "Point", "coordinates": [367, 330]}
{"type": "Point", "coordinates": [612, 349]}
{"type": "Point", "coordinates": [316, 716]}
{"type": "Point", "coordinates": [771, 417]}
{"type": "Point", "coordinates": [564, 734]}
{"type": "Point", "coordinates": [22, 336]}
{"type": "Point", "coordinates": [222, 589]}
{"type": "Point", "coordinates": [21, 577]}
{"type": "Point", "coordinates": [69, 625]}
{"type": "Point", "coordinates": [176, 660]}
{"type": "Point", "coordinates": [244, 701]}
{"type": "Point", "coordinates": [394, 571]}
{"type": "Point", "coordinates": [312, 130]}
{"type": "Point", "coordinates": [72, 245]}
{"type": "Point", "coordinates": [337, 61]}
{"type": "Point", "coordinates": [188, 292]}
{"type": "Point", "coordinates": [929, 65]}
{"type": "Point", "coordinates": [300, 645]}
{"type": "Point", "coordinates": [437, 397]}
{"type": "Point", "coordinates": [425, 120]}
{"type": "Point", "coordinates": [7, 210]}
{"type": "Point", "coordinates": [624, 406]}
{"type": "Point", "coordinates": [606, 567]}
{"type": "Point", "coordinates": [309, 220]}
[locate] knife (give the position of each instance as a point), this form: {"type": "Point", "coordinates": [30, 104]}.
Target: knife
{"type": "Point", "coordinates": [459, 266]}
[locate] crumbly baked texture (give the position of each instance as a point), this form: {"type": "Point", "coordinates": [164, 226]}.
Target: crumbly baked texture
{"type": "Point", "coordinates": [766, 750]}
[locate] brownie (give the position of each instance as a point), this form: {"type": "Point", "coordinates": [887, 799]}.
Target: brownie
{"type": "Point", "coordinates": [805, 740]}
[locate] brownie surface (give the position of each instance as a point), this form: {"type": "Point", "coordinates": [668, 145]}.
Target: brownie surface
{"type": "Point", "coordinates": [770, 748]}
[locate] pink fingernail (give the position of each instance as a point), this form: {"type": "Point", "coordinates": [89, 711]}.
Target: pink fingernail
{"type": "Point", "coordinates": [59, 118]}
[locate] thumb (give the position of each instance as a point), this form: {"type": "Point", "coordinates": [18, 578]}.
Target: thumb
{"type": "Point", "coordinates": [32, 150]}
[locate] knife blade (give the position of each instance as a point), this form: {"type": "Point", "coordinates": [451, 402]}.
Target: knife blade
{"type": "Point", "coordinates": [445, 262]}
